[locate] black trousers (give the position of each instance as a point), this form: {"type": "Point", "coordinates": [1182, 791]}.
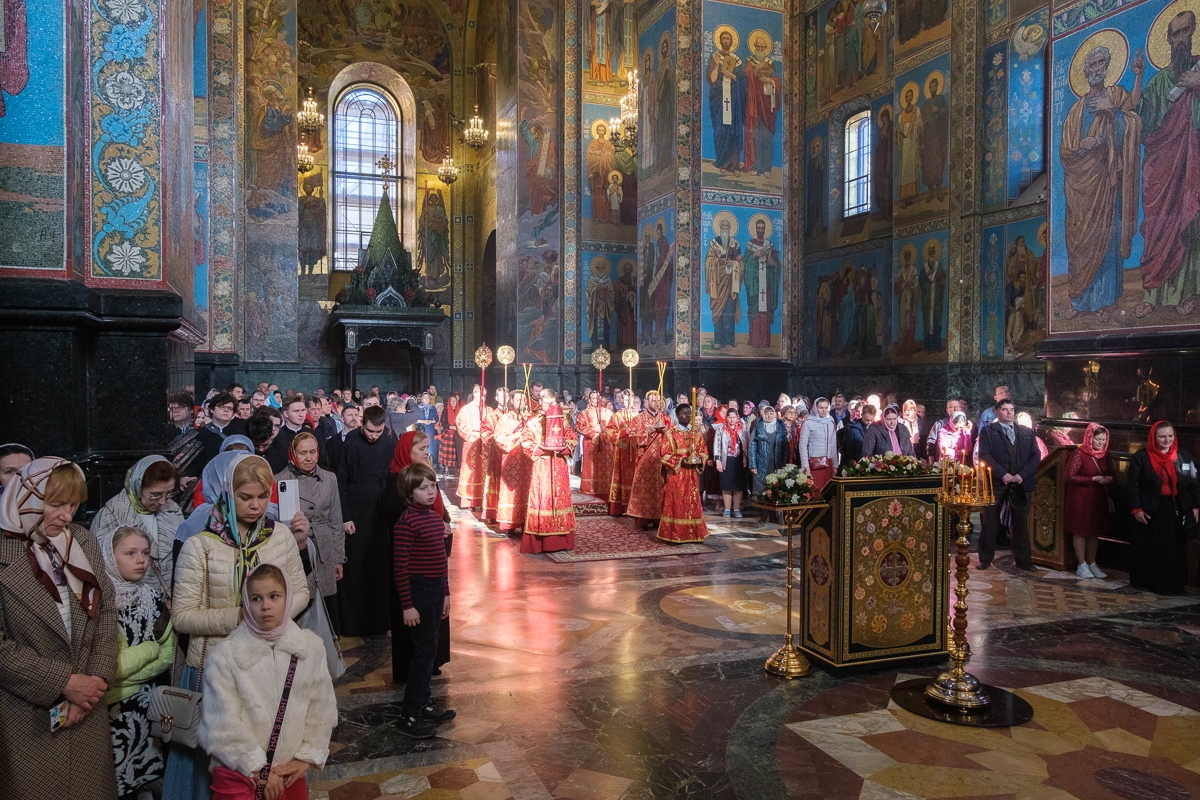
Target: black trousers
{"type": "Point", "coordinates": [427, 598]}
{"type": "Point", "coordinates": [1018, 532]}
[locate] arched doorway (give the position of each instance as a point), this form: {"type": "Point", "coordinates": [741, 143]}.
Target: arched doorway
{"type": "Point", "coordinates": [487, 292]}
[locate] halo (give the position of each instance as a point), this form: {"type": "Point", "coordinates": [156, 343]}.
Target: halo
{"type": "Point", "coordinates": [847, 267]}
{"type": "Point", "coordinates": [732, 32]}
{"type": "Point", "coordinates": [909, 248]}
{"type": "Point", "coordinates": [1041, 237]}
{"type": "Point", "coordinates": [626, 262]}
{"type": "Point", "coordinates": [916, 90]}
{"type": "Point", "coordinates": [666, 37]}
{"type": "Point", "coordinates": [620, 177]}
{"type": "Point", "coordinates": [1157, 49]}
{"type": "Point", "coordinates": [888, 108]}
{"type": "Point", "coordinates": [505, 354]}
{"type": "Point", "coordinates": [937, 249]}
{"type": "Point", "coordinates": [941, 79]}
{"type": "Point", "coordinates": [770, 226]}
{"type": "Point", "coordinates": [1038, 31]}
{"type": "Point", "coordinates": [754, 37]}
{"type": "Point", "coordinates": [601, 358]}
{"type": "Point", "coordinates": [649, 51]}
{"type": "Point", "coordinates": [817, 141]}
{"type": "Point", "coordinates": [630, 358]}
{"type": "Point", "coordinates": [1116, 43]}
{"type": "Point", "coordinates": [661, 221]}
{"type": "Point", "coordinates": [648, 231]}
{"type": "Point", "coordinates": [604, 264]}
{"type": "Point", "coordinates": [603, 122]}
{"type": "Point", "coordinates": [723, 215]}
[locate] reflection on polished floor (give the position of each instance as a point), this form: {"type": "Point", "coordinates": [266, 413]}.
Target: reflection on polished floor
{"type": "Point", "coordinates": [642, 678]}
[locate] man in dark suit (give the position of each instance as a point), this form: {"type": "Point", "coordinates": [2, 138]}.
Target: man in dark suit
{"type": "Point", "coordinates": [1011, 453]}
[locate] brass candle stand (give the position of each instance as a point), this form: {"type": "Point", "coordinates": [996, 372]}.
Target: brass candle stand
{"type": "Point", "coordinates": [788, 661]}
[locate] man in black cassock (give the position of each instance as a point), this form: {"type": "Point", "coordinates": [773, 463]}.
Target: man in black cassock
{"type": "Point", "coordinates": [364, 593]}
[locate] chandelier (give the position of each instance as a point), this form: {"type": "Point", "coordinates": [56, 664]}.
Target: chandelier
{"type": "Point", "coordinates": [304, 159]}
{"type": "Point", "coordinates": [475, 135]}
{"type": "Point", "coordinates": [873, 10]}
{"type": "Point", "coordinates": [309, 120]}
{"type": "Point", "coordinates": [447, 172]}
{"type": "Point", "coordinates": [623, 131]}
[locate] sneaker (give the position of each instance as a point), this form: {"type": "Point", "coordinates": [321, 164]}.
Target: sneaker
{"type": "Point", "coordinates": [415, 728]}
{"type": "Point", "coordinates": [725, 513]}
{"type": "Point", "coordinates": [1083, 572]}
{"type": "Point", "coordinates": [1096, 573]}
{"type": "Point", "coordinates": [437, 715]}
{"type": "Point", "coordinates": [737, 512]}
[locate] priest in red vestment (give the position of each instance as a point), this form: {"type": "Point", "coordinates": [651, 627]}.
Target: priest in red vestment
{"type": "Point", "coordinates": [596, 472]}
{"type": "Point", "coordinates": [550, 521]}
{"type": "Point", "coordinates": [494, 457]}
{"type": "Point", "coordinates": [645, 496]}
{"type": "Point", "coordinates": [473, 471]}
{"type": "Point", "coordinates": [684, 456]}
{"type": "Point", "coordinates": [516, 468]}
{"type": "Point", "coordinates": [624, 455]}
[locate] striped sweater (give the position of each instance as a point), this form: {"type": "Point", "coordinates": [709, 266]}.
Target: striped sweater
{"type": "Point", "coordinates": [418, 549]}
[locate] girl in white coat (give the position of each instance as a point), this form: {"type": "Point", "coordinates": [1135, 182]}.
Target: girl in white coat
{"type": "Point", "coordinates": [243, 686]}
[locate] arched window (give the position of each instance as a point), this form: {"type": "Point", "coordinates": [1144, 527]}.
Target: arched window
{"type": "Point", "coordinates": [857, 184]}
{"type": "Point", "coordinates": [366, 127]}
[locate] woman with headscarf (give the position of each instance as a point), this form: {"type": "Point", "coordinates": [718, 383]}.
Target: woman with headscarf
{"type": "Point", "coordinates": [210, 570]}
{"type": "Point", "coordinates": [1165, 499]}
{"type": "Point", "coordinates": [412, 448]}
{"type": "Point", "coordinates": [917, 430]}
{"type": "Point", "coordinates": [320, 505]}
{"type": "Point", "coordinates": [728, 455]}
{"type": "Point", "coordinates": [146, 503]}
{"type": "Point", "coordinates": [449, 442]}
{"type": "Point", "coordinates": [818, 444]}
{"type": "Point", "coordinates": [58, 640]}
{"type": "Point", "coordinates": [1089, 472]}
{"type": "Point", "coordinates": [768, 450]}
{"type": "Point", "coordinates": [235, 443]}
{"type": "Point", "coordinates": [954, 441]}
{"type": "Point", "coordinates": [888, 435]}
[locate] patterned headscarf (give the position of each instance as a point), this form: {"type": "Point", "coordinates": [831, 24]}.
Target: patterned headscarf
{"type": "Point", "coordinates": [733, 426]}
{"type": "Point", "coordinates": [55, 562]}
{"type": "Point", "coordinates": [222, 523]}
{"type": "Point", "coordinates": [136, 599]}
{"type": "Point", "coordinates": [1089, 443]}
{"type": "Point", "coordinates": [133, 483]}
{"type": "Point", "coordinates": [293, 464]}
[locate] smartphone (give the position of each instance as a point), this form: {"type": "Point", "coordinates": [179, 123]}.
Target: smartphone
{"type": "Point", "coordinates": [289, 500]}
{"type": "Point", "coordinates": [58, 715]}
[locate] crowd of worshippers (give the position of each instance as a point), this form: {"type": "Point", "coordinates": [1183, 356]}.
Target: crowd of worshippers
{"type": "Point", "coordinates": [192, 582]}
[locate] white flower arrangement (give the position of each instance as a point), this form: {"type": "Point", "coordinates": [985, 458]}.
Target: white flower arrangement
{"type": "Point", "coordinates": [789, 485]}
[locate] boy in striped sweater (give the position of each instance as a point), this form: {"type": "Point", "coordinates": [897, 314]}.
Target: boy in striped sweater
{"type": "Point", "coordinates": [419, 568]}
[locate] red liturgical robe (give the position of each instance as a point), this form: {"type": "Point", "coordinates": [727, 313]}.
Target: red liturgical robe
{"type": "Point", "coordinates": [550, 521]}
{"type": "Point", "coordinates": [682, 514]}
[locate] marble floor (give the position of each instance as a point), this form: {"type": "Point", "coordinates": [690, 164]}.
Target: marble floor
{"type": "Point", "coordinates": [642, 678]}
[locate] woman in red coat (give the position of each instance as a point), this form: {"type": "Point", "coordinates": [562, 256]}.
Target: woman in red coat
{"type": "Point", "coordinates": [1089, 472]}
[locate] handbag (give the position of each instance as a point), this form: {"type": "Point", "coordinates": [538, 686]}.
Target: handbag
{"type": "Point", "coordinates": [174, 711]}
{"type": "Point", "coordinates": [1112, 507]}
{"type": "Point", "coordinates": [265, 773]}
{"type": "Point", "coordinates": [316, 619]}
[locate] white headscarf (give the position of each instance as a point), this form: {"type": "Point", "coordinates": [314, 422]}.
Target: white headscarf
{"type": "Point", "coordinates": [133, 599]}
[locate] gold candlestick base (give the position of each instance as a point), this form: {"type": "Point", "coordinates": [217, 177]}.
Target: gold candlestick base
{"type": "Point", "coordinates": [956, 687]}
{"type": "Point", "coordinates": [788, 662]}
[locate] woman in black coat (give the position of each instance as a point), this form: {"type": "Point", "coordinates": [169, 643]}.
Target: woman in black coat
{"type": "Point", "coordinates": [878, 439]}
{"type": "Point", "coordinates": [1165, 499]}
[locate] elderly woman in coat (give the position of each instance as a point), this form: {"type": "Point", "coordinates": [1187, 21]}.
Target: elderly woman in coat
{"type": "Point", "coordinates": [768, 450]}
{"type": "Point", "coordinates": [888, 435]}
{"type": "Point", "coordinates": [145, 503]}
{"type": "Point", "coordinates": [58, 641]}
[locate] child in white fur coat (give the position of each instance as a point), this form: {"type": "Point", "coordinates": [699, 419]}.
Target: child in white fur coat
{"type": "Point", "coordinates": [243, 683]}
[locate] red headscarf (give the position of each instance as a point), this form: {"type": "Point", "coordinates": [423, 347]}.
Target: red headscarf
{"type": "Point", "coordinates": [1089, 436]}
{"type": "Point", "coordinates": [403, 458]}
{"type": "Point", "coordinates": [733, 425]}
{"type": "Point", "coordinates": [1163, 463]}
{"type": "Point", "coordinates": [452, 410]}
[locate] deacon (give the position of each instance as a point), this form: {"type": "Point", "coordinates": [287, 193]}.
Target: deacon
{"type": "Point", "coordinates": [472, 474]}
{"type": "Point", "coordinates": [493, 456]}
{"type": "Point", "coordinates": [596, 474]}
{"type": "Point", "coordinates": [550, 522]}
{"type": "Point", "coordinates": [624, 455]}
{"type": "Point", "coordinates": [684, 457]}
{"type": "Point", "coordinates": [516, 468]}
{"type": "Point", "coordinates": [645, 498]}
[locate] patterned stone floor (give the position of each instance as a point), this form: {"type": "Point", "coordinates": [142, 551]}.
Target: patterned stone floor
{"type": "Point", "coordinates": [643, 679]}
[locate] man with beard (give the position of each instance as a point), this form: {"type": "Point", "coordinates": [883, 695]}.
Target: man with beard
{"type": "Point", "coordinates": [596, 473]}
{"type": "Point", "coordinates": [1100, 150]}
{"type": "Point", "coordinates": [1169, 108]}
{"type": "Point", "coordinates": [645, 434]}
{"type": "Point", "coordinates": [661, 296]}
{"type": "Point", "coordinates": [935, 127]}
{"type": "Point", "coordinates": [723, 269]}
{"type": "Point", "coordinates": [763, 270]}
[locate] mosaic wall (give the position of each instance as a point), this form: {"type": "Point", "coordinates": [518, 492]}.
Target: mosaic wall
{"type": "Point", "coordinates": [848, 309]}
{"type": "Point", "coordinates": [33, 123]}
{"type": "Point", "coordinates": [920, 298]}
{"type": "Point", "coordinates": [1124, 251]}
{"type": "Point", "coordinates": [201, 201]}
{"type": "Point", "coordinates": [225, 103]}
{"type": "Point", "coordinates": [1014, 289]}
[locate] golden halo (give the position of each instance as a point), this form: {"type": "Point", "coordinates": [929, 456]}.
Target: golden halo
{"type": "Point", "coordinates": [1042, 235]}
{"type": "Point", "coordinates": [916, 90]}
{"type": "Point", "coordinates": [750, 226]}
{"type": "Point", "coordinates": [847, 271]}
{"type": "Point", "coordinates": [505, 354]}
{"type": "Point", "coordinates": [725, 29]}
{"type": "Point", "coordinates": [626, 262]}
{"type": "Point", "coordinates": [888, 108]}
{"type": "Point", "coordinates": [724, 215]}
{"type": "Point", "coordinates": [941, 79]}
{"type": "Point", "coordinates": [817, 143]}
{"type": "Point", "coordinates": [911, 249]}
{"type": "Point", "coordinates": [1158, 51]}
{"type": "Point", "coordinates": [648, 231]}
{"type": "Point", "coordinates": [937, 248]}
{"type": "Point", "coordinates": [600, 266]}
{"type": "Point", "coordinates": [1038, 31]}
{"type": "Point", "coordinates": [603, 122]}
{"type": "Point", "coordinates": [1116, 43]}
{"type": "Point", "coordinates": [666, 37]}
{"type": "Point", "coordinates": [660, 221]}
{"type": "Point", "coordinates": [648, 53]}
{"type": "Point", "coordinates": [620, 177]}
{"type": "Point", "coordinates": [758, 35]}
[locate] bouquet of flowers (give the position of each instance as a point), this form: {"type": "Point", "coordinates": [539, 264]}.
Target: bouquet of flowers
{"type": "Point", "coordinates": [789, 486]}
{"type": "Point", "coordinates": [888, 465]}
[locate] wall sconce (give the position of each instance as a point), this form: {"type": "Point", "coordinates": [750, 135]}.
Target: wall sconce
{"type": "Point", "coordinates": [351, 339]}
{"type": "Point", "coordinates": [428, 341]}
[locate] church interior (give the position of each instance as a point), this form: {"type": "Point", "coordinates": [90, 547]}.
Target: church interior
{"type": "Point", "coordinates": [809, 197]}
